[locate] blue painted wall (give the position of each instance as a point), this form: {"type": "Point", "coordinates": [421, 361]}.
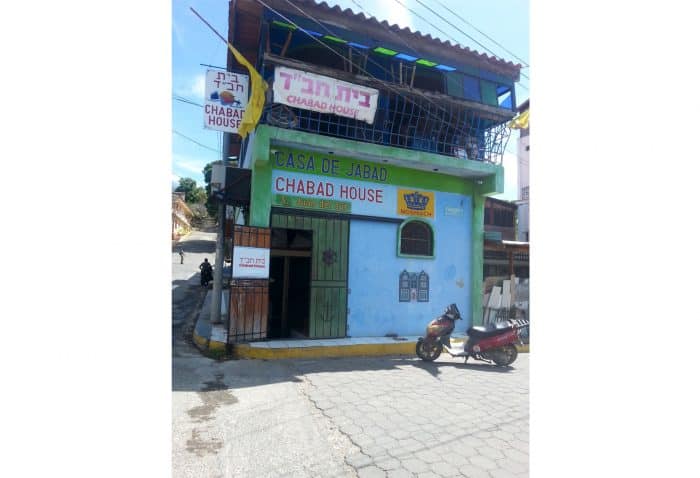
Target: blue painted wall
{"type": "Point", "coordinates": [374, 268]}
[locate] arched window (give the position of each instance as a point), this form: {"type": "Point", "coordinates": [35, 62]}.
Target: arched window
{"type": "Point", "coordinates": [416, 239]}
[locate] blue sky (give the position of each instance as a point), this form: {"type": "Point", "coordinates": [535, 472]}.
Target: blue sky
{"type": "Point", "coordinates": [193, 44]}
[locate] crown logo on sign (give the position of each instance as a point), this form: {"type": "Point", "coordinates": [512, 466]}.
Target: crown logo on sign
{"type": "Point", "coordinates": [416, 201]}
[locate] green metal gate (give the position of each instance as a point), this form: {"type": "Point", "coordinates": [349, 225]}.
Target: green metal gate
{"type": "Point", "coordinates": [329, 271]}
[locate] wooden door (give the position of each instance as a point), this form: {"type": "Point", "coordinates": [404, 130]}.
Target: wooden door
{"type": "Point", "coordinates": [329, 272]}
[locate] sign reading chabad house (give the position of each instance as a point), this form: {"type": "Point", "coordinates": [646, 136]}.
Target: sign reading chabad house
{"type": "Point", "coordinates": [225, 99]}
{"type": "Point", "coordinates": [324, 94]}
{"type": "Point", "coordinates": [251, 263]}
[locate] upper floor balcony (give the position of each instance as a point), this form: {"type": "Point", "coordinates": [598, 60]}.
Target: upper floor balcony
{"type": "Point", "coordinates": [430, 100]}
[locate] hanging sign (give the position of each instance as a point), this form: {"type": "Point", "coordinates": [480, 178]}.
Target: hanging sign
{"type": "Point", "coordinates": [324, 94]}
{"type": "Point", "coordinates": [251, 263]}
{"type": "Point", "coordinates": [225, 99]}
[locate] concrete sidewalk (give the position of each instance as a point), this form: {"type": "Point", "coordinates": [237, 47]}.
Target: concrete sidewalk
{"type": "Point", "coordinates": [211, 340]}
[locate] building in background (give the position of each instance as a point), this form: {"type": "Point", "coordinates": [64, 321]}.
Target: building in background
{"type": "Point", "coordinates": [374, 156]}
{"type": "Point", "coordinates": [181, 216]}
{"type": "Point", "coordinates": [523, 201]}
{"type": "Point", "coordinates": [504, 255]}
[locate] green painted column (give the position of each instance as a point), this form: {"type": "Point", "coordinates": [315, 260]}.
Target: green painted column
{"type": "Point", "coordinates": [260, 194]}
{"type": "Point", "coordinates": [477, 258]}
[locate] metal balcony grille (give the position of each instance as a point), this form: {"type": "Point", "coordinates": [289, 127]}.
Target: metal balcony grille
{"type": "Point", "coordinates": [415, 123]}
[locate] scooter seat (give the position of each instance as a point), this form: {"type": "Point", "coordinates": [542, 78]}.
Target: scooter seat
{"type": "Point", "coordinates": [489, 330]}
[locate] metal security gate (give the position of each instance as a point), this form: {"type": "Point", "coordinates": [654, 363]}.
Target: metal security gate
{"type": "Point", "coordinates": [329, 271]}
{"type": "Point", "coordinates": [248, 303]}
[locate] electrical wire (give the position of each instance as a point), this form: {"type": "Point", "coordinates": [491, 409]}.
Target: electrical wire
{"type": "Point", "coordinates": [385, 84]}
{"type": "Point", "coordinates": [369, 58]}
{"type": "Point", "coordinates": [411, 47]}
{"type": "Point", "coordinates": [185, 100]}
{"type": "Point", "coordinates": [196, 142]}
{"type": "Point", "coordinates": [445, 33]}
{"type": "Point", "coordinates": [494, 41]}
{"type": "Point", "coordinates": [399, 37]}
{"type": "Point", "coordinates": [418, 92]}
{"type": "Point", "coordinates": [406, 44]}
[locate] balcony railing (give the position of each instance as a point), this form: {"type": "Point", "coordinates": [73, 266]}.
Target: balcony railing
{"type": "Point", "coordinates": [415, 122]}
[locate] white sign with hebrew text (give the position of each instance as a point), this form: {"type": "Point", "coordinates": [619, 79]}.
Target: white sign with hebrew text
{"type": "Point", "coordinates": [324, 94]}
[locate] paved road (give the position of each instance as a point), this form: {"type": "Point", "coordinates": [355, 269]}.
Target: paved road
{"type": "Point", "coordinates": [187, 294]}
{"type": "Point", "coordinates": [366, 417]}
{"type": "Point", "coordinates": [349, 417]}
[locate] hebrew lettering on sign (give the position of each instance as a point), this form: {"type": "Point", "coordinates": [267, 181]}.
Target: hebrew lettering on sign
{"type": "Point", "coordinates": [324, 94]}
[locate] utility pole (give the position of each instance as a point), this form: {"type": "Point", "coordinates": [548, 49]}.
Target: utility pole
{"type": "Point", "coordinates": [215, 314]}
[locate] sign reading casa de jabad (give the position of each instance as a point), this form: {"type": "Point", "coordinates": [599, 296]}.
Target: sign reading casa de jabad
{"type": "Point", "coordinates": [225, 99]}
{"type": "Point", "coordinates": [324, 94]}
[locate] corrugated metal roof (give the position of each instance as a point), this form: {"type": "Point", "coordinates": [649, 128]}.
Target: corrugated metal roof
{"type": "Point", "coordinates": [405, 30]}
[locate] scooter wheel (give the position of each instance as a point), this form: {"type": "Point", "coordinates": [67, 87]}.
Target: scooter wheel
{"type": "Point", "coordinates": [505, 356]}
{"type": "Point", "coordinates": [428, 350]}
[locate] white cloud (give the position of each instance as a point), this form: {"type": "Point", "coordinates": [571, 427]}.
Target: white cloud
{"type": "Point", "coordinates": [392, 12]}
{"type": "Point", "coordinates": [190, 167]}
{"type": "Point", "coordinates": [197, 87]}
{"type": "Point", "coordinates": [179, 34]}
{"type": "Point", "coordinates": [192, 87]}
{"type": "Point", "coordinates": [382, 10]}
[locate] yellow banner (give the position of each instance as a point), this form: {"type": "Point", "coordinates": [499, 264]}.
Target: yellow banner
{"type": "Point", "coordinates": [522, 121]}
{"type": "Point", "coordinates": [411, 202]}
{"type": "Point", "coordinates": [253, 110]}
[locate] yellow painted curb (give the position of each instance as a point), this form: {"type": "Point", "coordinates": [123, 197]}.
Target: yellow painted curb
{"type": "Point", "coordinates": [208, 345]}
{"type": "Point", "coordinates": [199, 340]}
{"type": "Point", "coordinates": [245, 351]}
{"type": "Point", "coordinates": [217, 346]}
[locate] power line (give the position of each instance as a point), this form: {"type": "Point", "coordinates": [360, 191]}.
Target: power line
{"type": "Point", "coordinates": [386, 85]}
{"type": "Point", "coordinates": [494, 41]}
{"type": "Point", "coordinates": [445, 33]}
{"type": "Point", "coordinates": [196, 142]}
{"type": "Point", "coordinates": [389, 30]}
{"type": "Point", "coordinates": [455, 27]}
{"type": "Point", "coordinates": [185, 100]}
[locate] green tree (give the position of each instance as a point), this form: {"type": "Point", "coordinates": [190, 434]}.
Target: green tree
{"type": "Point", "coordinates": [212, 207]}
{"type": "Point", "coordinates": [193, 193]}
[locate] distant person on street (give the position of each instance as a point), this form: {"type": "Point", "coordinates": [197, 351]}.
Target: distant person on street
{"type": "Point", "coordinates": [182, 255]}
{"type": "Point", "coordinates": [206, 274]}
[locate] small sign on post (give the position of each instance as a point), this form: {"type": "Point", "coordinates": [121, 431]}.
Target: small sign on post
{"type": "Point", "coordinates": [225, 99]}
{"type": "Point", "coordinates": [251, 263]}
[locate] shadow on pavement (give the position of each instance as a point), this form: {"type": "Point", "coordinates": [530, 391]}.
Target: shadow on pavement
{"type": "Point", "coordinates": [251, 373]}
{"type": "Point", "coordinates": [433, 368]}
{"type": "Point", "coordinates": [195, 246]}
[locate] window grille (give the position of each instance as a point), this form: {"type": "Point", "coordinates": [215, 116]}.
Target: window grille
{"type": "Point", "coordinates": [415, 123]}
{"type": "Point", "coordinates": [416, 239]}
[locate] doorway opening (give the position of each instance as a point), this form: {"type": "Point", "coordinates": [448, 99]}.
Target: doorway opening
{"type": "Point", "coordinates": [290, 283]}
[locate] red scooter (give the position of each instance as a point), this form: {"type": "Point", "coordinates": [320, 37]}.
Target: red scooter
{"type": "Point", "coordinates": [494, 343]}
